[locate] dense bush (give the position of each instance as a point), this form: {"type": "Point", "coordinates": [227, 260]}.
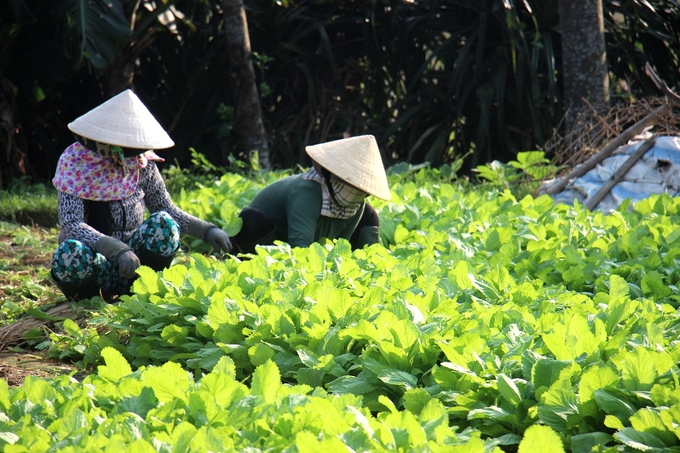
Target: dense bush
{"type": "Point", "coordinates": [433, 80]}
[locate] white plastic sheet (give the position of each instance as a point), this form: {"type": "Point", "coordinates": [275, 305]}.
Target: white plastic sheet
{"type": "Point", "coordinates": [658, 171]}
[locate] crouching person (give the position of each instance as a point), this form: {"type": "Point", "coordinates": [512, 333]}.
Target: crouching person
{"type": "Point", "coordinates": [328, 201]}
{"type": "Point", "coordinates": [105, 181]}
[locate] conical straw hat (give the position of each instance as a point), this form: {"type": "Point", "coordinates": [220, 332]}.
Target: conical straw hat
{"type": "Point", "coordinates": [124, 121]}
{"type": "Point", "coordinates": [355, 160]}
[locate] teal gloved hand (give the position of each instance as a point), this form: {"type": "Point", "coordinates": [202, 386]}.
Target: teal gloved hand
{"type": "Point", "coordinates": [218, 239]}
{"type": "Point", "coordinates": [128, 262]}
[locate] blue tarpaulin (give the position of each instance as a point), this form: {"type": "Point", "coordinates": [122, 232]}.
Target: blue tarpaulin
{"type": "Point", "coordinates": [657, 171]}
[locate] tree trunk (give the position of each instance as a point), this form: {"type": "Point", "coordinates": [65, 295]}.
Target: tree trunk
{"type": "Point", "coordinates": [120, 76]}
{"type": "Point", "coordinates": [13, 162]}
{"type": "Point", "coordinates": [242, 81]}
{"type": "Point", "coordinates": [584, 56]}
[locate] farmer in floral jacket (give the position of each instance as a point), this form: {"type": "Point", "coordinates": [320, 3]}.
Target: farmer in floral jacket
{"type": "Point", "coordinates": [328, 201]}
{"type": "Point", "coordinates": [106, 180]}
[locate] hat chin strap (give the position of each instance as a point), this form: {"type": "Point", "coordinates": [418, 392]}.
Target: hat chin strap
{"type": "Point", "coordinates": [317, 166]}
{"type": "Point", "coordinates": [326, 177]}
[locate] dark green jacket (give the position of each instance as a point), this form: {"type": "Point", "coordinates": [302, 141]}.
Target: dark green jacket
{"type": "Point", "coordinates": [294, 204]}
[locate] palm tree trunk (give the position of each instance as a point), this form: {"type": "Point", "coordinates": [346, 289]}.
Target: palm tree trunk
{"type": "Point", "coordinates": [584, 56]}
{"type": "Point", "coordinates": [242, 81]}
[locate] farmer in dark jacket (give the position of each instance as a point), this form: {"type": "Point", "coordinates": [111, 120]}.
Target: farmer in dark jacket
{"type": "Point", "coordinates": [328, 201]}
{"type": "Point", "coordinates": [106, 180]}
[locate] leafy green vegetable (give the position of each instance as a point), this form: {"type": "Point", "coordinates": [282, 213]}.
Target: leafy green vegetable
{"type": "Point", "coordinates": [163, 409]}
{"type": "Point", "coordinates": [481, 321]}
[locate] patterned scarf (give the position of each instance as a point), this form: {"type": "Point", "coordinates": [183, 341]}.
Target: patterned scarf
{"type": "Point", "coordinates": [93, 176]}
{"type": "Point", "coordinates": [345, 200]}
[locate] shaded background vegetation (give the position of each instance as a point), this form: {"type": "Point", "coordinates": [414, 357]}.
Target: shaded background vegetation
{"type": "Point", "coordinates": [432, 80]}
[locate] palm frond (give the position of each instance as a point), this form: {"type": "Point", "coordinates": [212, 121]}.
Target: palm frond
{"type": "Point", "coordinates": [97, 30]}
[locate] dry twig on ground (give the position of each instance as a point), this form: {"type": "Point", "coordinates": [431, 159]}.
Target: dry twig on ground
{"type": "Point", "coordinates": [12, 334]}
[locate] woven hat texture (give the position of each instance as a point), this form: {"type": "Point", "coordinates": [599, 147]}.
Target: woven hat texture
{"type": "Point", "coordinates": [124, 121]}
{"type": "Point", "coordinates": [355, 160]}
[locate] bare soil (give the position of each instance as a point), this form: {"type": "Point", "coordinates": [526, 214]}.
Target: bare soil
{"type": "Point", "coordinates": [25, 255]}
{"type": "Point", "coordinates": [15, 366]}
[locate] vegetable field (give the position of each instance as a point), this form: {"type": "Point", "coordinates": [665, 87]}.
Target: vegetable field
{"type": "Point", "coordinates": [485, 323]}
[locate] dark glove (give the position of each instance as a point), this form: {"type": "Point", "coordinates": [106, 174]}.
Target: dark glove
{"type": "Point", "coordinates": [113, 249]}
{"type": "Point", "coordinates": [128, 263]}
{"type": "Point", "coordinates": [218, 239]}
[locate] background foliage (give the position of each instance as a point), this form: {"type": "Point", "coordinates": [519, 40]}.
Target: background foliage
{"type": "Point", "coordinates": [432, 80]}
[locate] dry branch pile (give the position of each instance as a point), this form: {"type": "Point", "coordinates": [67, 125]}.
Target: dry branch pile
{"type": "Point", "coordinates": [595, 126]}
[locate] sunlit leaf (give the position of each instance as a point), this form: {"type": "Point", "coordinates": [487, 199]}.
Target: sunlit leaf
{"type": "Point", "coordinates": [539, 439]}
{"type": "Point", "coordinates": [116, 366]}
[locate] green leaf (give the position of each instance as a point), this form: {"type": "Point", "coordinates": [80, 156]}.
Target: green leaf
{"type": "Point", "coordinates": [266, 381]}
{"type": "Point", "coordinates": [182, 435]}
{"type": "Point", "coordinates": [650, 421]}
{"type": "Point", "coordinates": [71, 327]}
{"type": "Point", "coordinates": [339, 303]}
{"type": "Point", "coordinates": [559, 407]}
{"type": "Point", "coordinates": [139, 405]}
{"type": "Point", "coordinates": [415, 400]}
{"type": "Point", "coordinates": [529, 158]}
{"type": "Point", "coordinates": [356, 385]}
{"type": "Point", "coordinates": [618, 312]}
{"type": "Point", "coordinates": [8, 437]}
{"type": "Point", "coordinates": [229, 215]}
{"type": "Point", "coordinates": [614, 404]}
{"type": "Point", "coordinates": [207, 358]}
{"type": "Point", "coordinates": [508, 389]}
{"type": "Point", "coordinates": [572, 338]}
{"type": "Point", "coordinates": [175, 334]}
{"type": "Point", "coordinates": [311, 377]}
{"type": "Point", "coordinates": [363, 330]}
{"type": "Point", "coordinates": [385, 401]}
{"type": "Point", "coordinates": [226, 366]}
{"type": "Point", "coordinates": [221, 313]}
{"type": "Point", "coordinates": [492, 413]}
{"type": "Point", "coordinates": [148, 281]}
{"type": "Point", "coordinates": [4, 395]}
{"type": "Point", "coordinates": [38, 314]}
{"type": "Point", "coordinates": [38, 391]}
{"type": "Point", "coordinates": [653, 285]}
{"type": "Point", "coordinates": [546, 372]}
{"type": "Point", "coordinates": [595, 378]}
{"type": "Point", "coordinates": [493, 241]}
{"type": "Point", "coordinates": [116, 366]}
{"type": "Point", "coordinates": [223, 388]}
{"type": "Point", "coordinates": [169, 382]}
{"type": "Point", "coordinates": [398, 377]}
{"type": "Point", "coordinates": [434, 419]}
{"type": "Point", "coordinates": [639, 440]}
{"type": "Point", "coordinates": [72, 422]}
{"type": "Point", "coordinates": [210, 439]}
{"type": "Point", "coordinates": [540, 439]}
{"type": "Point", "coordinates": [638, 368]}
{"type": "Point", "coordinates": [610, 421]}
{"type": "Point", "coordinates": [400, 234]}
{"type": "Point", "coordinates": [451, 376]}
{"type": "Point", "coordinates": [407, 432]}
{"type": "Point", "coordinates": [618, 287]}
{"type": "Point", "coordinates": [584, 443]}
{"type": "Point", "coordinates": [260, 354]}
